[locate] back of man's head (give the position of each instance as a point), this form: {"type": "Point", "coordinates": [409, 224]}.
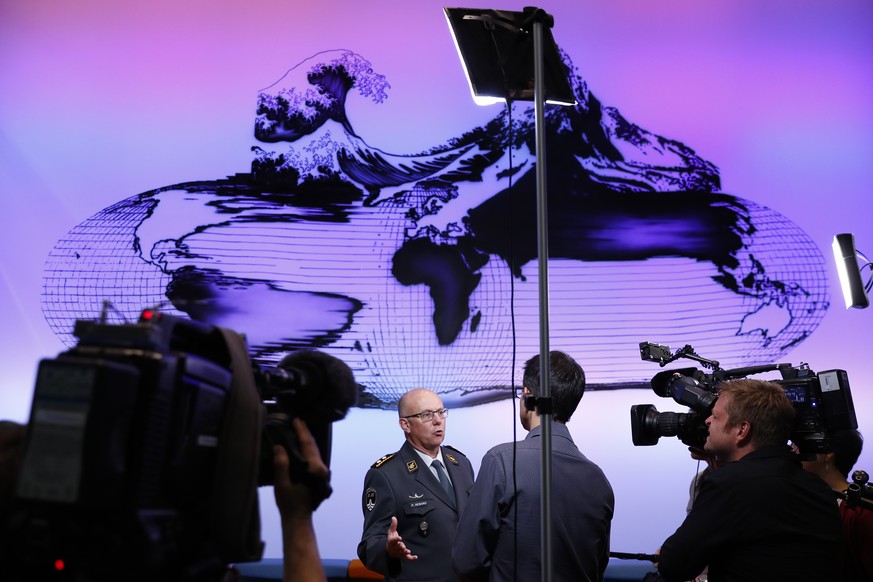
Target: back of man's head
{"type": "Point", "coordinates": [764, 406]}
{"type": "Point", "coordinates": [846, 446]}
{"type": "Point", "coordinates": [566, 382]}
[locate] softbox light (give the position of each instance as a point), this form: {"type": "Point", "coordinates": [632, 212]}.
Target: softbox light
{"type": "Point", "coordinates": [496, 48]}
{"type": "Point", "coordinates": [846, 257]}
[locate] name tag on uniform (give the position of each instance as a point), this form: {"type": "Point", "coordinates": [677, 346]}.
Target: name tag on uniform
{"type": "Point", "coordinates": [418, 507]}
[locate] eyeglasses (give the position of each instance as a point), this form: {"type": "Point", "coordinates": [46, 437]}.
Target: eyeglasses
{"type": "Point", "coordinates": [427, 415]}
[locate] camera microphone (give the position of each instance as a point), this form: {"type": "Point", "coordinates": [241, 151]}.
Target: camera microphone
{"type": "Point", "coordinates": [315, 387]}
{"type": "Point", "coordinates": [320, 381]}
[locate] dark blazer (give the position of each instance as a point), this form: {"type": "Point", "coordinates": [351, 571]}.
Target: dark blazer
{"type": "Point", "coordinates": [760, 518]}
{"type": "Point", "coordinates": [499, 534]}
{"type": "Point", "coordinates": [400, 485]}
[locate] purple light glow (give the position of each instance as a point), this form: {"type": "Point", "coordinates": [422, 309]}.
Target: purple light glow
{"type": "Point", "coordinates": [102, 100]}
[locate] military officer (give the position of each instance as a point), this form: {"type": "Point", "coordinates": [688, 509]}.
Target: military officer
{"type": "Point", "coordinates": [412, 498]}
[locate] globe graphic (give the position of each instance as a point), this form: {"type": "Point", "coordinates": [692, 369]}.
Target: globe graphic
{"type": "Point", "coordinates": [402, 266]}
{"type": "Point", "coordinates": [599, 312]}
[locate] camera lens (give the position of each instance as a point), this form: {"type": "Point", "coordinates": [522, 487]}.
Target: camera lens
{"type": "Point", "coordinates": [648, 426]}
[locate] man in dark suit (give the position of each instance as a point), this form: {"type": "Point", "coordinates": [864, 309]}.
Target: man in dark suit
{"type": "Point", "coordinates": [412, 498]}
{"type": "Point", "coordinates": [499, 535]}
{"type": "Point", "coordinates": [758, 516]}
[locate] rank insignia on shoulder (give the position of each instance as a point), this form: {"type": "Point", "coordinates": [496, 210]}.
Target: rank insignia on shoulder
{"type": "Point", "coordinates": [370, 499]}
{"type": "Point", "coordinates": [412, 466]}
{"type": "Point", "coordinates": [383, 460]}
{"type": "Point", "coordinates": [449, 455]}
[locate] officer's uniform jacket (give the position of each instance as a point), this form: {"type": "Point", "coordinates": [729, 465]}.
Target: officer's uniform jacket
{"type": "Point", "coordinates": [401, 485]}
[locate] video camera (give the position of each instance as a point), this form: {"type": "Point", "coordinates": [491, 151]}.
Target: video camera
{"type": "Point", "coordinates": [822, 402]}
{"type": "Point", "coordinates": [146, 446]}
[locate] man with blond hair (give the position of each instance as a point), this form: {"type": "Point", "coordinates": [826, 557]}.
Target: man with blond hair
{"type": "Point", "coordinates": [759, 516]}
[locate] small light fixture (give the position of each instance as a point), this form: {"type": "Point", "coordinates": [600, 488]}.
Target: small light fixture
{"type": "Point", "coordinates": [854, 288]}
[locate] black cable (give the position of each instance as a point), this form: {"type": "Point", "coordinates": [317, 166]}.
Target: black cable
{"type": "Point", "coordinates": [514, 344]}
{"type": "Point", "coordinates": [868, 286]}
{"type": "Point", "coordinates": [695, 485]}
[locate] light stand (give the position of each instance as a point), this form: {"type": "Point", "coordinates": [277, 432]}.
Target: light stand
{"type": "Point", "coordinates": [495, 49]}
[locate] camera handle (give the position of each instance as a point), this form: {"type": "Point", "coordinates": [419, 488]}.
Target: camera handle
{"type": "Point", "coordinates": [688, 352]}
{"type": "Point", "coordinates": [660, 353]}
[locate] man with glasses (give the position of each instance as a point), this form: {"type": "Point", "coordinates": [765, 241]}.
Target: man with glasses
{"type": "Point", "coordinates": [412, 498]}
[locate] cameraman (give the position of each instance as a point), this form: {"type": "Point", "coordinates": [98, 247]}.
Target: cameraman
{"type": "Point", "coordinates": [834, 467]}
{"type": "Point", "coordinates": [759, 516]}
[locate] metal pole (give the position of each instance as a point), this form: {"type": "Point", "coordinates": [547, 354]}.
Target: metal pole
{"type": "Point", "coordinates": [543, 264]}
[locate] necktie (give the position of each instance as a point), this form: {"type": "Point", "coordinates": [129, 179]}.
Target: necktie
{"type": "Point", "coordinates": [444, 479]}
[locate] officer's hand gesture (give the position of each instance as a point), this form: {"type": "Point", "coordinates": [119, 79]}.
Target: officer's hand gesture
{"type": "Point", "coordinates": [395, 546]}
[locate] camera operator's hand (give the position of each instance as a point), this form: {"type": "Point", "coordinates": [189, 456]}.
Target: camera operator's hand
{"type": "Point", "coordinates": [295, 498]}
{"type": "Point", "coordinates": [302, 562]}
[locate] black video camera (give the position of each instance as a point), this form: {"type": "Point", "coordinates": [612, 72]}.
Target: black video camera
{"type": "Point", "coordinates": [147, 443]}
{"type": "Point", "coordinates": [822, 402]}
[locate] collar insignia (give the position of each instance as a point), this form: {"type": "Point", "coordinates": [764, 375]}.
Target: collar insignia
{"type": "Point", "coordinates": [451, 458]}
{"type": "Point", "coordinates": [412, 466]}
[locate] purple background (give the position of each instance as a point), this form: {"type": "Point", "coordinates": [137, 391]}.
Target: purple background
{"type": "Point", "coordinates": [100, 101]}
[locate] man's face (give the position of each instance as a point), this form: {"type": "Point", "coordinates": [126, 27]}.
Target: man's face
{"type": "Point", "coordinates": [424, 436]}
{"type": "Point", "coordinates": [720, 441]}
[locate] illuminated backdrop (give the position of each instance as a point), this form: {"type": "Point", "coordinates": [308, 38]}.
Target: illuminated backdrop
{"type": "Point", "coordinates": [152, 154]}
